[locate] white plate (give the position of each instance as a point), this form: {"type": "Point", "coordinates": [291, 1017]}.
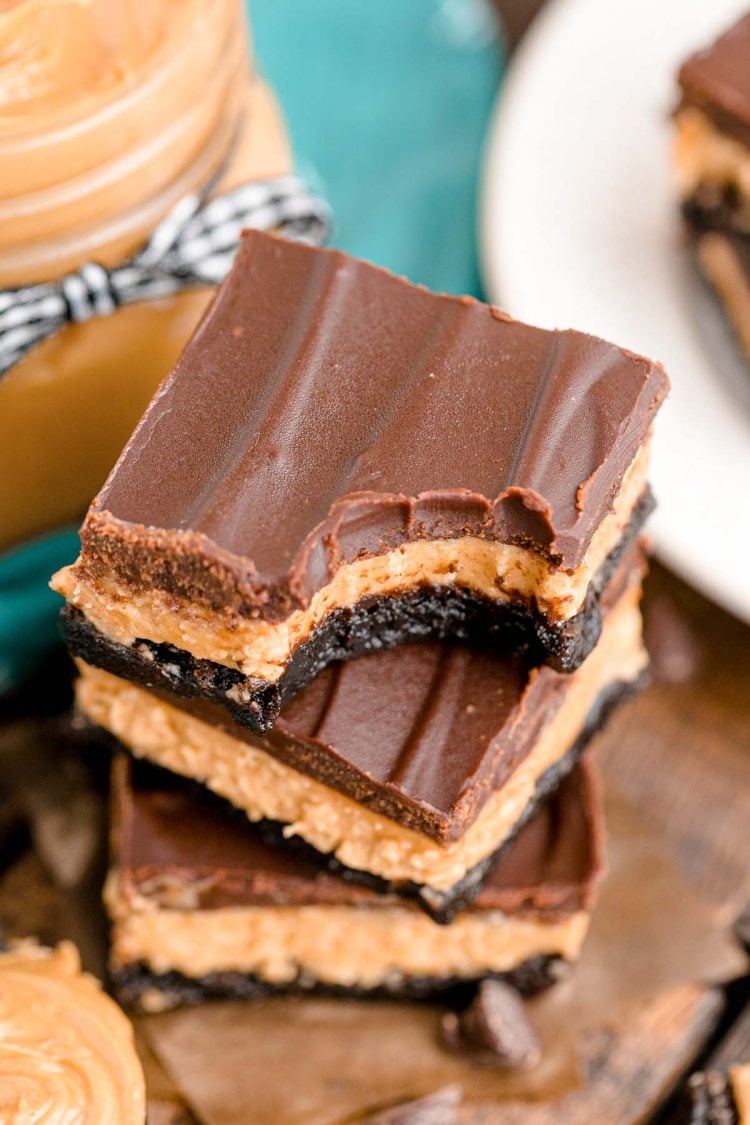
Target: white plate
{"type": "Point", "coordinates": [579, 228]}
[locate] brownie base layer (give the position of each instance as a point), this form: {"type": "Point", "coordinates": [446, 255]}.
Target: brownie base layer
{"type": "Point", "coordinates": [430, 613]}
{"type": "Point", "coordinates": [136, 986]}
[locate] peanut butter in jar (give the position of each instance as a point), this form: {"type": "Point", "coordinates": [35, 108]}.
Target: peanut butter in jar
{"type": "Point", "coordinates": [111, 111]}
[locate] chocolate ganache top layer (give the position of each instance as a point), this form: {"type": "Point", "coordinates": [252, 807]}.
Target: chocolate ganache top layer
{"type": "Point", "coordinates": [326, 410]}
{"type": "Point", "coordinates": [175, 845]}
{"type": "Point", "coordinates": [717, 80]}
{"type": "Point", "coordinates": [424, 733]}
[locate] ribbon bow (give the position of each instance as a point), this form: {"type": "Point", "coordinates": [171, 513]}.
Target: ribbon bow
{"type": "Point", "coordinates": [194, 244]}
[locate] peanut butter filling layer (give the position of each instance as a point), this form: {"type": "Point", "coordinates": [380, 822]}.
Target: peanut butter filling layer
{"type": "Point", "coordinates": [66, 1050]}
{"type": "Point", "coordinates": [730, 279]}
{"type": "Point", "coordinates": [355, 947]}
{"type": "Point", "coordinates": [257, 648]}
{"type": "Point", "coordinates": [710, 161]}
{"type": "Point", "coordinates": [265, 788]}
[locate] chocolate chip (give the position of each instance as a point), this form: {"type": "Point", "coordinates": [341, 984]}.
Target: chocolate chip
{"type": "Point", "coordinates": [440, 1108]}
{"type": "Point", "coordinates": [494, 1030]}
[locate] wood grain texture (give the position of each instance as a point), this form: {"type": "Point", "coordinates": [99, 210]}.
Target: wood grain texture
{"type": "Point", "coordinates": [165, 1106]}
{"type": "Point", "coordinates": [681, 751]}
{"type": "Point", "coordinates": [631, 1068]}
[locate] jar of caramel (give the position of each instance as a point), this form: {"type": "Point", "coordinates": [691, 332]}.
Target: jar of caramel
{"type": "Point", "coordinates": [111, 111]}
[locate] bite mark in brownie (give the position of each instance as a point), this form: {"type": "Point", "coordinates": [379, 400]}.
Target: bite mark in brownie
{"type": "Point", "coordinates": [137, 986]}
{"type": "Point", "coordinates": [373, 625]}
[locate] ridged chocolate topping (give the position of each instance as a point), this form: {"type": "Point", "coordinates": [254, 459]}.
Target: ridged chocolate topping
{"type": "Point", "coordinates": [717, 80]}
{"type": "Point", "coordinates": [423, 733]}
{"type": "Point", "coordinates": [326, 410]}
{"type": "Point", "coordinates": [173, 845]}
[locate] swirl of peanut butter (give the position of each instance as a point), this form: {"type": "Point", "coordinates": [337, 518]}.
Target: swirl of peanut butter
{"type": "Point", "coordinates": [98, 107]}
{"type": "Point", "coordinates": [61, 58]}
{"type": "Point", "coordinates": [66, 1049]}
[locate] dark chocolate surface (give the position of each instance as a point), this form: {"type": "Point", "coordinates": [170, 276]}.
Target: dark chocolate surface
{"type": "Point", "coordinates": [717, 80]}
{"type": "Point", "coordinates": [444, 906]}
{"type": "Point", "coordinates": [169, 838]}
{"type": "Point", "coordinates": [326, 410]}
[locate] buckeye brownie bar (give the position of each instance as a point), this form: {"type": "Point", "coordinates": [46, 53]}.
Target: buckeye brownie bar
{"type": "Point", "coordinates": [408, 769]}
{"type": "Point", "coordinates": [712, 149]}
{"type": "Point", "coordinates": [201, 908]}
{"type": "Point", "coordinates": [342, 462]}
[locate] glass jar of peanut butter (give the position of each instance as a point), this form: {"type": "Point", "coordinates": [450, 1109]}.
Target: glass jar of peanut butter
{"type": "Point", "coordinates": [111, 111]}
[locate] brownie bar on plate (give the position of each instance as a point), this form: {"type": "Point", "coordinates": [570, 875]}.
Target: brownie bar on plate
{"type": "Point", "coordinates": [712, 149]}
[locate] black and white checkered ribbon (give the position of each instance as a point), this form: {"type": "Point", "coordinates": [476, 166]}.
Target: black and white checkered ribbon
{"type": "Point", "coordinates": [193, 245]}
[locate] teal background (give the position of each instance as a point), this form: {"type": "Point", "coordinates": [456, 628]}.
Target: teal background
{"type": "Point", "coordinates": [387, 103]}
{"type": "Point", "coordinates": [28, 608]}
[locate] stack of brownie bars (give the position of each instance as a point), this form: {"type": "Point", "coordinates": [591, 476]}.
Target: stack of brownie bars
{"type": "Point", "coordinates": [363, 583]}
{"type": "Point", "coordinates": [712, 155]}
